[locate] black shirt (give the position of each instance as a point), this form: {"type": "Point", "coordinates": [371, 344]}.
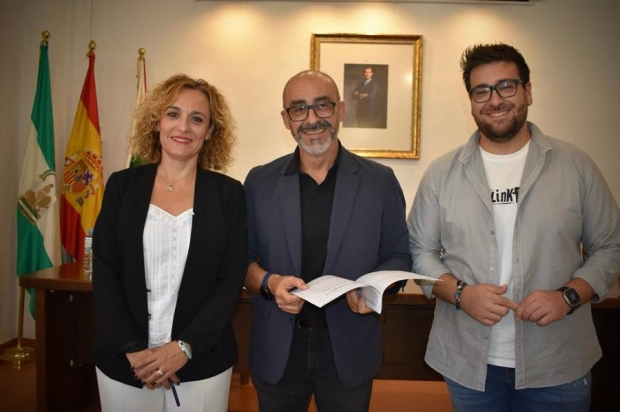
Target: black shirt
{"type": "Point", "coordinates": [316, 209]}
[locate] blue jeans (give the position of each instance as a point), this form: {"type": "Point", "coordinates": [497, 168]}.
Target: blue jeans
{"type": "Point", "coordinates": [311, 369]}
{"type": "Point", "coordinates": [500, 395]}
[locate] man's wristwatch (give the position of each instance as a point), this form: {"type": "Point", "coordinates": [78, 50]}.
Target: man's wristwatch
{"type": "Point", "coordinates": [571, 297]}
{"type": "Point", "coordinates": [264, 288]}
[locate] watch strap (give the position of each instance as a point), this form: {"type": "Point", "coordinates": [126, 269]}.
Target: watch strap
{"type": "Point", "coordinates": [266, 278]}
{"type": "Point", "coordinates": [571, 304]}
{"type": "Point", "coordinates": [264, 287]}
{"type": "Point", "coordinates": [460, 285]}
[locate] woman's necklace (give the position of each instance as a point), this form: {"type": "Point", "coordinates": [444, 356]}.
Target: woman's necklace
{"type": "Point", "coordinates": [170, 185]}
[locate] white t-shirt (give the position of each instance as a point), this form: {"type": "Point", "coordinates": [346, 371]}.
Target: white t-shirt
{"type": "Point", "coordinates": [166, 243]}
{"type": "Point", "coordinates": [504, 174]}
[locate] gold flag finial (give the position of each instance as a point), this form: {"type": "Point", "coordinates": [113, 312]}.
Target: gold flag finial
{"type": "Point", "coordinates": [141, 53]}
{"type": "Point", "coordinates": [46, 35]}
{"type": "Point", "coordinates": [91, 47]}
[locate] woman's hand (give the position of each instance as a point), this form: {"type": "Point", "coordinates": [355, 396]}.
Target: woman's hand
{"type": "Point", "coordinates": [154, 366]}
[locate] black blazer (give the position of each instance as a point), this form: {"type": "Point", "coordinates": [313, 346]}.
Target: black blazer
{"type": "Point", "coordinates": [214, 273]}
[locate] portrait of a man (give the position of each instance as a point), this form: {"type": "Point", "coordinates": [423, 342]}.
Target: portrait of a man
{"type": "Point", "coordinates": [365, 92]}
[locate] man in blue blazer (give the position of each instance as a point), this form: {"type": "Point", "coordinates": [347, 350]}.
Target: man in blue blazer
{"type": "Point", "coordinates": [366, 95]}
{"type": "Point", "coordinates": [320, 210]}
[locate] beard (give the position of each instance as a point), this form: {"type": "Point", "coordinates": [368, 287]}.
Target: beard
{"type": "Point", "coordinates": [315, 147]}
{"type": "Point", "coordinates": [504, 132]}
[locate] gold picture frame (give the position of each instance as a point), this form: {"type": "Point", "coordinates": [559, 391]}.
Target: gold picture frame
{"type": "Point", "coordinates": [387, 123]}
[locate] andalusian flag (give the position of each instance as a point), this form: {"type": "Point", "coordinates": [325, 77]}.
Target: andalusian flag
{"type": "Point", "coordinates": [38, 229]}
{"type": "Point", "coordinates": [82, 178]}
{"type": "Point", "coordinates": [132, 160]}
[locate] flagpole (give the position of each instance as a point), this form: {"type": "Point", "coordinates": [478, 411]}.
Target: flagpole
{"type": "Point", "coordinates": [91, 47]}
{"type": "Point", "coordinates": [141, 77]}
{"type": "Point", "coordinates": [19, 353]}
{"type": "Point", "coordinates": [141, 53]}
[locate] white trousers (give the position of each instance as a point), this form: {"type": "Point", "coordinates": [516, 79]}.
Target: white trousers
{"type": "Point", "coordinates": [207, 395]}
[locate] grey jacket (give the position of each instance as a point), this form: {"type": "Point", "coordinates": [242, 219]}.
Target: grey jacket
{"type": "Point", "coordinates": [564, 202]}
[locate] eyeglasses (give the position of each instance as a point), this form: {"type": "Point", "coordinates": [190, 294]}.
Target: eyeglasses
{"type": "Point", "coordinates": [300, 113]}
{"type": "Point", "coordinates": [505, 88]}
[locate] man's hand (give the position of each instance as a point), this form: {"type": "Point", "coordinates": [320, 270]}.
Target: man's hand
{"type": "Point", "coordinates": [485, 303]}
{"type": "Point", "coordinates": [280, 287]}
{"type": "Point", "coordinates": [542, 307]}
{"type": "Point", "coordinates": [357, 301]}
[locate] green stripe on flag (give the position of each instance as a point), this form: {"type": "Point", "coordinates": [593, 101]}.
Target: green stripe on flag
{"type": "Point", "coordinates": [35, 257]}
{"type": "Point", "coordinates": [38, 222]}
{"type": "Point", "coordinates": [41, 116]}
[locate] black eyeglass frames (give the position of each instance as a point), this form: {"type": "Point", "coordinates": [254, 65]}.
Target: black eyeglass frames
{"type": "Point", "coordinates": [505, 88]}
{"type": "Point", "coordinates": [299, 113]}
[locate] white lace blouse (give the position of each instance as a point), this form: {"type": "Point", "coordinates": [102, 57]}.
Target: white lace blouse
{"type": "Point", "coordinates": [166, 243]}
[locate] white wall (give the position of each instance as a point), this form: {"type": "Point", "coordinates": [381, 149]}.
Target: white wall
{"type": "Point", "coordinates": [10, 55]}
{"type": "Point", "coordinates": [249, 50]}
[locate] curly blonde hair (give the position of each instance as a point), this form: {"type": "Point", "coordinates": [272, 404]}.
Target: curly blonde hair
{"type": "Point", "coordinates": [215, 153]}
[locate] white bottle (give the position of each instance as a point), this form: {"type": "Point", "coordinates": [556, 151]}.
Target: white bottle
{"type": "Point", "coordinates": [88, 254]}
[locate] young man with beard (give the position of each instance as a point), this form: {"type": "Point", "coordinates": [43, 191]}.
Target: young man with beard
{"type": "Point", "coordinates": [320, 210]}
{"type": "Point", "coordinates": [502, 221]}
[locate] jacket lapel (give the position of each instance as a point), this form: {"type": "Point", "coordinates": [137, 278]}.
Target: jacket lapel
{"type": "Point", "coordinates": [138, 202]}
{"type": "Point", "coordinates": [290, 207]}
{"type": "Point", "coordinates": [135, 206]}
{"type": "Point", "coordinates": [347, 182]}
{"type": "Point", "coordinates": [199, 206]}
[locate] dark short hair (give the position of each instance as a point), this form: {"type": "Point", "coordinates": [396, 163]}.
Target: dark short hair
{"type": "Point", "coordinates": [481, 54]}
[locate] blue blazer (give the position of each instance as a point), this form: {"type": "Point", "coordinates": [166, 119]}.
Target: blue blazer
{"type": "Point", "coordinates": [212, 280]}
{"type": "Point", "coordinates": [367, 232]}
{"type": "Point", "coordinates": [366, 107]}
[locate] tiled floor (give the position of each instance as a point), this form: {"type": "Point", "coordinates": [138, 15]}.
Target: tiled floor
{"type": "Point", "coordinates": [18, 393]}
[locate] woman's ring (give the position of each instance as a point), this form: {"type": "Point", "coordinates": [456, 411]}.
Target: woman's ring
{"type": "Point", "coordinates": [159, 372]}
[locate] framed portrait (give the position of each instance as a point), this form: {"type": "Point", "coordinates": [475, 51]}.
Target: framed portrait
{"type": "Point", "coordinates": [380, 77]}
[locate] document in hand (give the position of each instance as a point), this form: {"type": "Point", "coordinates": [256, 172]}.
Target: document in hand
{"type": "Point", "coordinates": [326, 288]}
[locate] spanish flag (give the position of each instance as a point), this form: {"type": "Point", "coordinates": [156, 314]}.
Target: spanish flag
{"type": "Point", "coordinates": [38, 225]}
{"type": "Point", "coordinates": [82, 178]}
